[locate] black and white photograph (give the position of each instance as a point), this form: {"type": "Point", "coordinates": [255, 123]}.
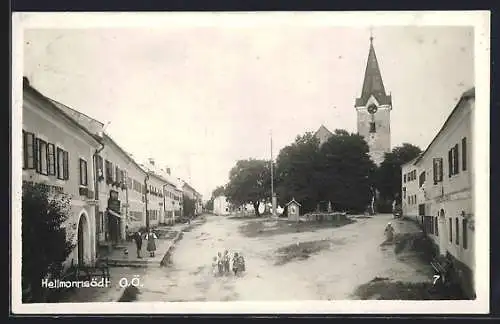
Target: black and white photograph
{"type": "Point", "coordinates": [265, 162]}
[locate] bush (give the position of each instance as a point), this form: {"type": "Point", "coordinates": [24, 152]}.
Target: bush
{"type": "Point", "coordinates": [45, 245]}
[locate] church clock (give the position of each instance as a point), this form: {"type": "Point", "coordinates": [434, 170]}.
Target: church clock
{"type": "Point", "coordinates": [372, 109]}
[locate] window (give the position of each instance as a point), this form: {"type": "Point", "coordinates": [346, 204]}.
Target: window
{"type": "Point", "coordinates": [421, 179]}
{"type": "Point", "coordinates": [41, 166]}
{"type": "Point", "coordinates": [100, 167]}
{"type": "Point", "coordinates": [404, 178]}
{"type": "Point", "coordinates": [450, 229]}
{"type": "Point", "coordinates": [404, 192]}
{"type": "Point", "coordinates": [129, 182]}
{"type": "Point", "coordinates": [60, 163]}
{"type": "Point", "coordinates": [437, 168]}
{"type": "Point", "coordinates": [464, 154]}
{"type": "Point", "coordinates": [464, 232]}
{"type": "Point", "coordinates": [372, 127]}
{"type": "Point", "coordinates": [109, 172]}
{"type": "Point", "coordinates": [117, 174]}
{"type": "Point", "coordinates": [28, 150]}
{"type": "Point", "coordinates": [51, 159]}
{"type": "Point", "coordinates": [457, 229]}
{"type": "Point", "coordinates": [83, 172]}
{"type": "Point", "coordinates": [453, 161]}
{"type": "Point", "coordinates": [65, 165]}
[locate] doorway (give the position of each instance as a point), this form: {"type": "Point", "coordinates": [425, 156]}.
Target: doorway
{"type": "Point", "coordinates": [82, 239]}
{"type": "Point", "coordinates": [443, 232]}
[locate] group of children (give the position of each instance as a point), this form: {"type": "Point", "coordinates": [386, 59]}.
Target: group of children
{"type": "Point", "coordinates": [221, 264]}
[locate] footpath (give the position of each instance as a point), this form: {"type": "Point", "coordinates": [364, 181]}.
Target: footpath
{"type": "Point", "coordinates": [125, 267]}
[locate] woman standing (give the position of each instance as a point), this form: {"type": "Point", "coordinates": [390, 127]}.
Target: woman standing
{"type": "Point", "coordinates": [151, 238]}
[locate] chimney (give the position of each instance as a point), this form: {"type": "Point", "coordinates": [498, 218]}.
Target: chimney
{"type": "Point", "coordinates": [152, 161]}
{"type": "Point", "coordinates": [167, 169]}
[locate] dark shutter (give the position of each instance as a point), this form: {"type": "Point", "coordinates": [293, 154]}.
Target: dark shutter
{"type": "Point", "coordinates": [35, 155]}
{"type": "Point", "coordinates": [450, 222]}
{"type": "Point", "coordinates": [457, 231]}
{"type": "Point", "coordinates": [25, 151]}
{"type": "Point", "coordinates": [464, 153]}
{"type": "Point", "coordinates": [455, 159]}
{"type": "Point", "coordinates": [464, 233]}
{"type": "Point", "coordinates": [450, 163]}
{"type": "Point", "coordinates": [58, 163]}
{"type": "Point", "coordinates": [434, 170]}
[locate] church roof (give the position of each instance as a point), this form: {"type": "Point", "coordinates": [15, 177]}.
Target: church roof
{"type": "Point", "coordinates": [372, 83]}
{"type": "Point", "coordinates": [323, 129]}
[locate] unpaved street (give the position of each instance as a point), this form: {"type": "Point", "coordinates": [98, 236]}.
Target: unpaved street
{"type": "Point", "coordinates": [336, 261]}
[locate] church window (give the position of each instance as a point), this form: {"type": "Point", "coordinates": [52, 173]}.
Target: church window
{"type": "Point", "coordinates": [372, 127]}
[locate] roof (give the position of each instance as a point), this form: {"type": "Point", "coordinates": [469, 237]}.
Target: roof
{"type": "Point", "coordinates": [372, 83]}
{"type": "Point", "coordinates": [293, 201]}
{"type": "Point", "coordinates": [127, 155]}
{"type": "Point", "coordinates": [412, 161]}
{"type": "Point", "coordinates": [27, 87]}
{"type": "Point", "coordinates": [469, 94]}
{"type": "Point", "coordinates": [322, 128]}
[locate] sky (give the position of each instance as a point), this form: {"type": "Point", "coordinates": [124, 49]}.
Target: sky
{"type": "Point", "coordinates": [197, 99]}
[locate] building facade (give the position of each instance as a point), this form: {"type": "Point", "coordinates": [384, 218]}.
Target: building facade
{"type": "Point", "coordinates": [58, 152]}
{"type": "Point", "coordinates": [445, 174]}
{"type": "Point", "coordinates": [221, 206]}
{"type": "Point", "coordinates": [411, 193]}
{"type": "Point", "coordinates": [191, 193]}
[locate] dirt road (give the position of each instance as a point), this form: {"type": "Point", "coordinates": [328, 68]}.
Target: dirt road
{"type": "Point", "coordinates": [331, 263]}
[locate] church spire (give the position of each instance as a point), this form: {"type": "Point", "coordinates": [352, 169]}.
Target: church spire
{"type": "Point", "coordinates": [373, 84]}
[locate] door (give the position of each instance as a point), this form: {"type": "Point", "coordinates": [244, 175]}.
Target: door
{"type": "Point", "coordinates": [80, 242]}
{"type": "Point", "coordinates": [443, 232]}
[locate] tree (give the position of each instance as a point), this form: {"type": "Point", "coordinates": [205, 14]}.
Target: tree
{"type": "Point", "coordinates": [219, 191]}
{"type": "Point", "coordinates": [45, 243]}
{"type": "Point", "coordinates": [188, 206]}
{"type": "Point", "coordinates": [345, 172]}
{"type": "Point", "coordinates": [388, 176]}
{"type": "Point", "coordinates": [209, 205]}
{"type": "Point", "coordinates": [249, 182]}
{"type": "Point", "coordinates": [296, 172]}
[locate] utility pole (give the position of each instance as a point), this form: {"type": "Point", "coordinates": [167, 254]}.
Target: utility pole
{"type": "Point", "coordinates": [146, 200]}
{"type": "Point", "coordinates": [273, 195]}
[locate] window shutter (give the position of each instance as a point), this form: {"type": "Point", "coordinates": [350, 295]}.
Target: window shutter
{"type": "Point", "coordinates": [450, 163]}
{"type": "Point", "coordinates": [440, 169]}
{"type": "Point", "coordinates": [65, 165]}
{"type": "Point", "coordinates": [464, 154]}
{"type": "Point", "coordinates": [455, 159]}
{"type": "Point", "coordinates": [35, 155]}
{"type": "Point", "coordinates": [25, 151]}
{"type": "Point", "coordinates": [434, 170]}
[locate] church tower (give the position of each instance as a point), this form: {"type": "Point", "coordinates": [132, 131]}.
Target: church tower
{"type": "Point", "coordinates": [374, 110]}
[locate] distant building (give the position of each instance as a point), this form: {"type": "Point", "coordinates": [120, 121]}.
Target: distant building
{"type": "Point", "coordinates": [221, 206]}
{"type": "Point", "coordinates": [190, 192]}
{"type": "Point", "coordinates": [58, 152]}
{"type": "Point", "coordinates": [444, 191]}
{"type": "Point", "coordinates": [373, 109]}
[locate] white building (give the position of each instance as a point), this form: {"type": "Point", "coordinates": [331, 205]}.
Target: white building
{"type": "Point", "coordinates": [58, 152]}
{"type": "Point", "coordinates": [445, 193]}
{"type": "Point", "coordinates": [221, 206]}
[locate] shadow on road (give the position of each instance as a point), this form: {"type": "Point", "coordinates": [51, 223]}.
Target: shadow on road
{"type": "Point", "coordinates": [263, 228]}
{"type": "Point", "coordinates": [303, 250]}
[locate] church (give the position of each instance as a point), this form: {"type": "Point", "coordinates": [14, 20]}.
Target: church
{"type": "Point", "coordinates": [373, 109]}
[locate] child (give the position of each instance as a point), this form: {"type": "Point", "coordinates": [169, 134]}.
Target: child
{"type": "Point", "coordinates": [227, 261]}
{"type": "Point", "coordinates": [214, 266]}
{"type": "Point", "coordinates": [242, 262]}
{"type": "Point", "coordinates": [236, 263]}
{"type": "Point", "coordinates": [220, 263]}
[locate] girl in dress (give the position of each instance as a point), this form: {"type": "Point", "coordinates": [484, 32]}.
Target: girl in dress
{"type": "Point", "coordinates": [151, 238]}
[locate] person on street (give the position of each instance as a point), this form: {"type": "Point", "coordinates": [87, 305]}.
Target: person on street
{"type": "Point", "coordinates": [242, 262]}
{"type": "Point", "coordinates": [138, 243]}
{"type": "Point", "coordinates": [236, 263]}
{"type": "Point", "coordinates": [220, 263]}
{"type": "Point", "coordinates": [151, 238]}
{"type": "Point", "coordinates": [389, 232]}
{"type": "Point", "coordinates": [214, 266]}
{"type": "Point", "coordinates": [227, 262]}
